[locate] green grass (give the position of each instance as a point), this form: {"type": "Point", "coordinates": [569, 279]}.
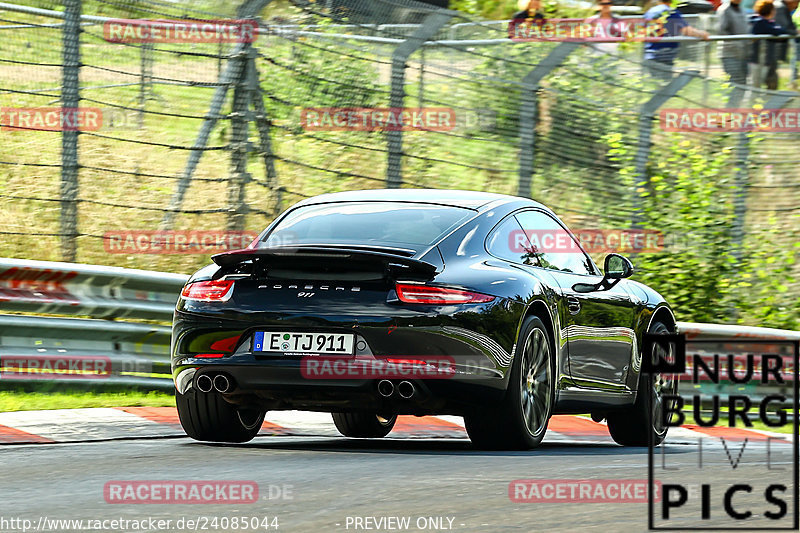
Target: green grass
{"type": "Point", "coordinates": [786, 428]}
{"type": "Point", "coordinates": [35, 401]}
{"type": "Point", "coordinates": [757, 424]}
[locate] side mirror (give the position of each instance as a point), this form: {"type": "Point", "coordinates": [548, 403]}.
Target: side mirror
{"type": "Point", "coordinates": [617, 267]}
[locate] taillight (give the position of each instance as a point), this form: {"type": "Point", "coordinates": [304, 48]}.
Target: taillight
{"type": "Point", "coordinates": [208, 291]}
{"type": "Point", "coordinates": [423, 294]}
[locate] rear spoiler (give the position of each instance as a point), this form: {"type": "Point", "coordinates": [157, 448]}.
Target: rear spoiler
{"type": "Point", "coordinates": [397, 264]}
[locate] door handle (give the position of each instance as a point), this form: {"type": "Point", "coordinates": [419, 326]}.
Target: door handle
{"type": "Point", "coordinates": [573, 305]}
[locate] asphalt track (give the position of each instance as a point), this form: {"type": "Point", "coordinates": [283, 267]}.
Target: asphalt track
{"type": "Point", "coordinates": [427, 472]}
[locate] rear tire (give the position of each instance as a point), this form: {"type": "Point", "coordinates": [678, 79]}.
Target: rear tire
{"type": "Point", "coordinates": [520, 421]}
{"type": "Point", "coordinates": [208, 417]}
{"type": "Point", "coordinates": [631, 426]}
{"type": "Point", "coordinates": [363, 425]}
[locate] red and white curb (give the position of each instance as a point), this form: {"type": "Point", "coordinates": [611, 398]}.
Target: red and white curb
{"type": "Point", "coordinates": [82, 425]}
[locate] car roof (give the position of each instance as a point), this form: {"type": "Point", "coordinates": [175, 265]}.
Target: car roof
{"type": "Point", "coordinates": [451, 197]}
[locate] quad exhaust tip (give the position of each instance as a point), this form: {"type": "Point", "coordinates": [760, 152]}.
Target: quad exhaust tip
{"type": "Point", "coordinates": [219, 382]}
{"type": "Point", "coordinates": [406, 389]}
{"type": "Point", "coordinates": [385, 388]}
{"type": "Point", "coordinates": [222, 383]}
{"type": "Point", "coordinates": [204, 383]}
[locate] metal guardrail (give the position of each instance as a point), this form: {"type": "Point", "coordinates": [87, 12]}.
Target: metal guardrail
{"type": "Point", "coordinates": [699, 331]}
{"type": "Point", "coordinates": [45, 287]}
{"type": "Point", "coordinates": [96, 350]}
{"type": "Point", "coordinates": [706, 340]}
{"type": "Point", "coordinates": [133, 353]}
{"type": "Point", "coordinates": [34, 348]}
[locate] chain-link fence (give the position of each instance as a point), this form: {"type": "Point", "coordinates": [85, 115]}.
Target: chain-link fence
{"type": "Point", "coordinates": [220, 134]}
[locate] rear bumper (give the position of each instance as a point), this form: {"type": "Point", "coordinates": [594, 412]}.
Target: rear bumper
{"type": "Point", "coordinates": [478, 361]}
{"type": "Point", "coordinates": [282, 385]}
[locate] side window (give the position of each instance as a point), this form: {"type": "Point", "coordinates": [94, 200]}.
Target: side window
{"type": "Point", "coordinates": [552, 245]}
{"type": "Point", "coordinates": [508, 241]}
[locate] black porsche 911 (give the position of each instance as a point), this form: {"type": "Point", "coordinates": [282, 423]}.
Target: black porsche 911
{"type": "Point", "coordinates": [371, 304]}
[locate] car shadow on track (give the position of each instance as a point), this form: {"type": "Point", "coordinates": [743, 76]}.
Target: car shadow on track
{"type": "Point", "coordinates": [429, 447]}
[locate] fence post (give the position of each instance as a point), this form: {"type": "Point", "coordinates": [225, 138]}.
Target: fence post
{"type": "Point", "coordinates": [421, 97]}
{"type": "Point", "coordinates": [239, 148]}
{"type": "Point", "coordinates": [706, 69]}
{"type": "Point", "coordinates": [70, 100]}
{"type": "Point", "coordinates": [432, 24]}
{"type": "Point", "coordinates": [527, 113]}
{"type": "Point", "coordinates": [646, 115]}
{"type": "Point", "coordinates": [145, 80]}
{"type": "Point", "coordinates": [742, 179]}
{"type": "Point", "coordinates": [265, 146]}
{"type": "Point", "coordinates": [233, 72]}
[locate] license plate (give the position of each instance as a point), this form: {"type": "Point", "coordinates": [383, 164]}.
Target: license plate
{"type": "Point", "coordinates": [299, 342]}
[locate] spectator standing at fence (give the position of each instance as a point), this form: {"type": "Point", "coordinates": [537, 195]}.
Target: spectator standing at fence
{"type": "Point", "coordinates": [762, 23]}
{"type": "Point", "coordinates": [783, 18]}
{"type": "Point", "coordinates": [732, 20]}
{"type": "Point", "coordinates": [530, 13]}
{"type": "Point", "coordinates": [659, 56]}
{"type": "Point", "coordinates": [529, 10]}
{"type": "Point", "coordinates": [605, 18]}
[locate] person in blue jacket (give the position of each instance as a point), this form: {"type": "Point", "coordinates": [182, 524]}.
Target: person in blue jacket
{"type": "Point", "coordinates": [659, 57]}
{"type": "Point", "coordinates": [762, 23]}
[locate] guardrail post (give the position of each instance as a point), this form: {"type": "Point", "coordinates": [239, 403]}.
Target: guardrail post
{"type": "Point", "coordinates": [432, 24]}
{"type": "Point", "coordinates": [527, 113]}
{"type": "Point", "coordinates": [233, 71]}
{"type": "Point", "coordinates": [646, 115]}
{"type": "Point", "coordinates": [70, 100]}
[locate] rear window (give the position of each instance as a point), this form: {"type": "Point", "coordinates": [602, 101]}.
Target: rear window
{"type": "Point", "coordinates": [395, 224]}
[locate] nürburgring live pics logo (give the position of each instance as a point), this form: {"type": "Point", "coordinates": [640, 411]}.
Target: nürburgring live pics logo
{"type": "Point", "coordinates": [738, 482]}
